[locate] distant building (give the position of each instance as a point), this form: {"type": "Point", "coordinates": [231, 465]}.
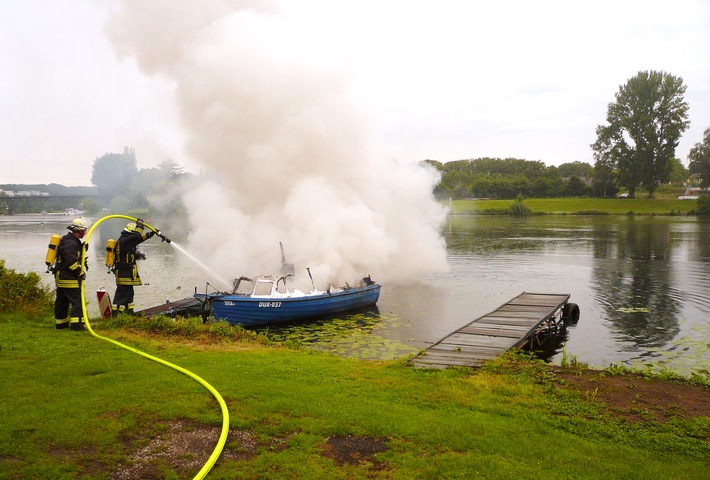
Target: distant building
{"type": "Point", "coordinates": [692, 193]}
{"type": "Point", "coordinates": [26, 193]}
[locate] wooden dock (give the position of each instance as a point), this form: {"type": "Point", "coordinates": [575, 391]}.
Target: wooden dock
{"type": "Point", "coordinates": [185, 307]}
{"type": "Point", "coordinates": [510, 326]}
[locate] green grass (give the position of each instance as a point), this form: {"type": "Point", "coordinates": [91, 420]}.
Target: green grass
{"type": "Point", "coordinates": [609, 206]}
{"type": "Point", "coordinates": [75, 407]}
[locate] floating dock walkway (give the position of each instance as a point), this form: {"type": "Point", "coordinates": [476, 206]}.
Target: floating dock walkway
{"type": "Point", "coordinates": [511, 326]}
{"type": "Point", "coordinates": [186, 307]}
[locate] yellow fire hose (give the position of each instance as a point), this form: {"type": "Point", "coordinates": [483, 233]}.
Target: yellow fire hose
{"type": "Point", "coordinates": [225, 412]}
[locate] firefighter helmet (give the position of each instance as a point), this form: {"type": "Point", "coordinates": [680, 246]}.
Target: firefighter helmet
{"type": "Point", "coordinates": [78, 224]}
{"type": "Point", "coordinates": [130, 227]}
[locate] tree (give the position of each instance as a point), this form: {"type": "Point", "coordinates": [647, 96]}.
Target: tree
{"type": "Point", "coordinates": [171, 169]}
{"type": "Point", "coordinates": [454, 184]}
{"type": "Point", "coordinates": [699, 157]}
{"type": "Point", "coordinates": [605, 177]}
{"type": "Point", "coordinates": [113, 173]}
{"type": "Point", "coordinates": [645, 124]}
{"type": "Point", "coordinates": [703, 204]}
{"type": "Point", "coordinates": [90, 205]}
{"type": "Point", "coordinates": [679, 174]}
{"type": "Point", "coordinates": [575, 187]}
{"type": "Point", "coordinates": [580, 169]}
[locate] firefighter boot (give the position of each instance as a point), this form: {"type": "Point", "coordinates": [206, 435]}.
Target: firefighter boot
{"type": "Point", "coordinates": [76, 324]}
{"type": "Point", "coordinates": [61, 324]}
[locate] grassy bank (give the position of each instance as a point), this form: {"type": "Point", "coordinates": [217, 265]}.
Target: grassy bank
{"type": "Point", "coordinates": [77, 407]}
{"type": "Point", "coordinates": [576, 206]}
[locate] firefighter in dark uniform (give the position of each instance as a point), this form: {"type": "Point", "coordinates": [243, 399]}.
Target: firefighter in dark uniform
{"type": "Point", "coordinates": [68, 275]}
{"type": "Point", "coordinates": [125, 267]}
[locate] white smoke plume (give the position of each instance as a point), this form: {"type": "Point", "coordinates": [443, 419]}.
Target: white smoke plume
{"type": "Point", "coordinates": [286, 156]}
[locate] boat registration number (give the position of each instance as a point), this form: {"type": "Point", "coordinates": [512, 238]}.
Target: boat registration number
{"type": "Point", "coordinates": [269, 304]}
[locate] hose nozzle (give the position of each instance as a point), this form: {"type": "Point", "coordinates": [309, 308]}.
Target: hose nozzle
{"type": "Point", "coordinates": [163, 238]}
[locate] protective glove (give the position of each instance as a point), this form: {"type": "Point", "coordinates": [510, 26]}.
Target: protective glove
{"type": "Point", "coordinates": [82, 276]}
{"type": "Point", "coordinates": [149, 234]}
{"type": "Point", "coordinates": [139, 224]}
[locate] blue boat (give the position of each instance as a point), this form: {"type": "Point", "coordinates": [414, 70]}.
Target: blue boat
{"type": "Point", "coordinates": [266, 300]}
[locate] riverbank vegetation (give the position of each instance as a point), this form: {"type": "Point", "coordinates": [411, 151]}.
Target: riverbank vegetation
{"type": "Point", "coordinates": [496, 178]}
{"type": "Point", "coordinates": [23, 292]}
{"type": "Point", "coordinates": [78, 407]}
{"type": "Point", "coordinates": [580, 206]}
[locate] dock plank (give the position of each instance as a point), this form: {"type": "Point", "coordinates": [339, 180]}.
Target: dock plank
{"type": "Point", "coordinates": [463, 351]}
{"type": "Point", "coordinates": [481, 340]}
{"type": "Point", "coordinates": [507, 321]}
{"type": "Point", "coordinates": [493, 332]}
{"type": "Point", "coordinates": [509, 326]}
{"type": "Point", "coordinates": [461, 354]}
{"type": "Point", "coordinates": [486, 323]}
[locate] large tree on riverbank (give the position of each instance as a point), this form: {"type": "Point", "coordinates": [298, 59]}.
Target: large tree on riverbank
{"type": "Point", "coordinates": [645, 124]}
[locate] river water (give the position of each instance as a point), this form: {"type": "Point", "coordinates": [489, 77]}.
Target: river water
{"type": "Point", "coordinates": [642, 284]}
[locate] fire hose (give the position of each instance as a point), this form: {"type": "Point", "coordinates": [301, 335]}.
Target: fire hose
{"type": "Point", "coordinates": [225, 412]}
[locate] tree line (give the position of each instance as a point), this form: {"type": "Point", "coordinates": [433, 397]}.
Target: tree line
{"type": "Point", "coordinates": [121, 186]}
{"type": "Point", "coordinates": [634, 150]}
{"type": "Point", "coordinates": [510, 177]}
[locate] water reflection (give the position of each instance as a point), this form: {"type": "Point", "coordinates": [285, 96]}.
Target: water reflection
{"type": "Point", "coordinates": [632, 277]}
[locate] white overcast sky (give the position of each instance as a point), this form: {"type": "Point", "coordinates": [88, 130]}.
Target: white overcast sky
{"type": "Point", "coordinates": [442, 80]}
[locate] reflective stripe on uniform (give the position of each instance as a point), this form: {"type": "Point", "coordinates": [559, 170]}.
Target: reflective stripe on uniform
{"type": "Point", "coordinates": [133, 280]}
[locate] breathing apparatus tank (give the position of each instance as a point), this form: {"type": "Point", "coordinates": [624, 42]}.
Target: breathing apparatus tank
{"type": "Point", "coordinates": [110, 254]}
{"type": "Point", "coordinates": [52, 252]}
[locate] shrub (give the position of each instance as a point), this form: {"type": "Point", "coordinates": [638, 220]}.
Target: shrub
{"type": "Point", "coordinates": [187, 327]}
{"type": "Point", "coordinates": [703, 205]}
{"type": "Point", "coordinates": [518, 208]}
{"type": "Point", "coordinates": [23, 292]}
{"type": "Point", "coordinates": [161, 324]}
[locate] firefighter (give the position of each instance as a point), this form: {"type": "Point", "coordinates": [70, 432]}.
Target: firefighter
{"type": "Point", "coordinates": [125, 267]}
{"type": "Point", "coordinates": [68, 275]}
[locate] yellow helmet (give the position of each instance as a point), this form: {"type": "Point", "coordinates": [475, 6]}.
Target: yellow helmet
{"type": "Point", "coordinates": [78, 224]}
{"type": "Point", "coordinates": [130, 227]}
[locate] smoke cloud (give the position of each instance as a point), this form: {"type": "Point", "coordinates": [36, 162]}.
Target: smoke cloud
{"type": "Point", "coordinates": [285, 154]}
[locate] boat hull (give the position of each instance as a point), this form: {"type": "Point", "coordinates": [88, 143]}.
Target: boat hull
{"type": "Point", "coordinates": [254, 311]}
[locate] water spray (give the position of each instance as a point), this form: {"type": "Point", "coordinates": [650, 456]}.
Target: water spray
{"type": "Point", "coordinates": [202, 265]}
{"type": "Point", "coordinates": [180, 249]}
